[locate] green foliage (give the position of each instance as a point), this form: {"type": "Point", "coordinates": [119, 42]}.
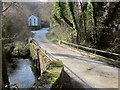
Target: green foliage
{"type": "Point", "coordinates": [56, 63]}
{"type": "Point", "coordinates": [68, 7]}
{"type": "Point", "coordinates": [42, 54]}
{"type": "Point", "coordinates": [56, 10]}
{"type": "Point", "coordinates": [51, 36]}
{"type": "Point", "coordinates": [63, 32]}
{"type": "Point", "coordinates": [50, 75]}
{"type": "Point", "coordinates": [89, 15]}
{"type": "Point", "coordinates": [63, 12]}
{"type": "Point", "coordinates": [89, 22]}
{"type": "Point", "coordinates": [90, 8]}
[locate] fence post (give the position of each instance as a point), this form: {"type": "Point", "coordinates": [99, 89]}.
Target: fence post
{"type": "Point", "coordinates": [59, 42]}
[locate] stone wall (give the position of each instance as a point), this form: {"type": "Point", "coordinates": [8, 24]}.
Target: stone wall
{"type": "Point", "coordinates": [48, 70]}
{"type": "Point", "coordinates": [40, 58]}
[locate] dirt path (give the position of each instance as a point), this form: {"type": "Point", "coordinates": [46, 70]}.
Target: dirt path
{"type": "Point", "coordinates": [85, 65]}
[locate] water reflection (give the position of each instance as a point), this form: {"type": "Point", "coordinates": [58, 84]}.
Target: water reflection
{"type": "Point", "coordinates": [20, 73]}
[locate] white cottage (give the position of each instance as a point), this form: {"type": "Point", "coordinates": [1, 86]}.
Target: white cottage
{"type": "Point", "coordinates": [33, 21]}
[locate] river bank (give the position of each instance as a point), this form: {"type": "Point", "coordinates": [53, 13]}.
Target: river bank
{"type": "Point", "coordinates": [17, 49]}
{"type": "Point", "coordinates": [19, 65]}
{"type": "Point", "coordinates": [20, 73]}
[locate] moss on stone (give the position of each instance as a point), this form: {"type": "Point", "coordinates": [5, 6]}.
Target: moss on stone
{"type": "Point", "coordinates": [54, 78]}
{"type": "Point", "coordinates": [50, 75]}
{"type": "Point", "coordinates": [53, 70]}
{"type": "Point", "coordinates": [42, 54]}
{"type": "Point", "coordinates": [56, 63]}
{"type": "Point", "coordinates": [32, 50]}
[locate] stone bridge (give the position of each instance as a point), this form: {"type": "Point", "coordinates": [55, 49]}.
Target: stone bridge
{"type": "Point", "coordinates": [83, 68]}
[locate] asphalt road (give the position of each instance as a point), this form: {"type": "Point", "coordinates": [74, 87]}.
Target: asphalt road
{"type": "Point", "coordinates": [85, 65]}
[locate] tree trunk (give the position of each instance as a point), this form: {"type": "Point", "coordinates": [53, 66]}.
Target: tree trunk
{"type": "Point", "coordinates": [4, 73]}
{"type": "Point", "coordinates": [5, 82]}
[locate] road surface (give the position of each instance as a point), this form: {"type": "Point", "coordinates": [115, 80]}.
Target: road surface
{"type": "Point", "coordinates": [94, 73]}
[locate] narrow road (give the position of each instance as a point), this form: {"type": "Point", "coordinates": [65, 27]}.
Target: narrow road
{"type": "Point", "coordinates": [85, 65]}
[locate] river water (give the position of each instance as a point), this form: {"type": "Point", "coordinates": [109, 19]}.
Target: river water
{"type": "Point", "coordinates": [20, 73]}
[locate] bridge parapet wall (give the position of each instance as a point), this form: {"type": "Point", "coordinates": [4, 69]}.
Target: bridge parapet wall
{"type": "Point", "coordinates": [114, 58]}
{"type": "Point", "coordinates": [39, 56]}
{"type": "Point", "coordinates": [47, 65]}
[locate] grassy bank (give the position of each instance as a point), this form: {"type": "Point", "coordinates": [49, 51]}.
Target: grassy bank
{"type": "Point", "coordinates": [58, 33]}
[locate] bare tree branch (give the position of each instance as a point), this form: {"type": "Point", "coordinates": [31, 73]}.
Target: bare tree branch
{"type": "Point", "coordinates": [14, 37]}
{"type": "Point", "coordinates": [8, 7]}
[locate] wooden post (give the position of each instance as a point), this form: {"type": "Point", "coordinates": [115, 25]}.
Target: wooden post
{"type": "Point", "coordinates": [39, 69]}
{"type": "Point", "coordinates": [59, 42]}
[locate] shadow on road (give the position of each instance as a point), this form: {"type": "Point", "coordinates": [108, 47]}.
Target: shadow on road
{"type": "Point", "coordinates": [83, 58]}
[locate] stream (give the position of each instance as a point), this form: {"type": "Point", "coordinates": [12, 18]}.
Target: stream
{"type": "Point", "coordinates": [20, 73]}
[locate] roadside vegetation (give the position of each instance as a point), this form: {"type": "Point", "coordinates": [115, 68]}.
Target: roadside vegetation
{"type": "Point", "coordinates": [95, 25]}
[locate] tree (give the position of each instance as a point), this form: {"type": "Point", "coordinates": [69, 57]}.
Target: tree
{"type": "Point", "coordinates": [5, 82]}
{"type": "Point", "coordinates": [92, 24]}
